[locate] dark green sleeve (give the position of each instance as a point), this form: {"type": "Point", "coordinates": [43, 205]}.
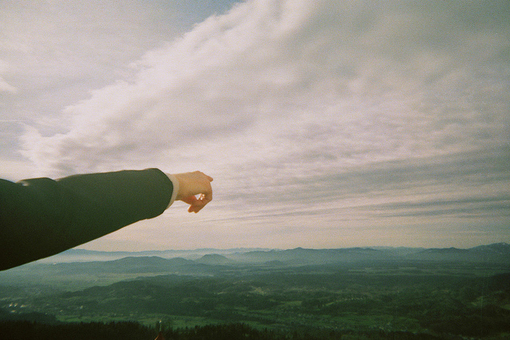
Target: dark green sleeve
{"type": "Point", "coordinates": [42, 217]}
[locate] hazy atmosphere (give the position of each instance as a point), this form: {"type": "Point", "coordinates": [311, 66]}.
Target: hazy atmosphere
{"type": "Point", "coordinates": [325, 124]}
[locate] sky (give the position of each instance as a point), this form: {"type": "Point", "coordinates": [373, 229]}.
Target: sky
{"type": "Point", "coordinates": [325, 124]}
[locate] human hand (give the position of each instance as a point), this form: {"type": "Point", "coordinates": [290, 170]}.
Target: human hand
{"type": "Point", "coordinates": [192, 184]}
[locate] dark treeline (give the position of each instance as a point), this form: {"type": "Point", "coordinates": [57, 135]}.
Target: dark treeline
{"type": "Point", "coordinates": [15, 330]}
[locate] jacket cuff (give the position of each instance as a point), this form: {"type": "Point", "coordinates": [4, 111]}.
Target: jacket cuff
{"type": "Point", "coordinates": [175, 190]}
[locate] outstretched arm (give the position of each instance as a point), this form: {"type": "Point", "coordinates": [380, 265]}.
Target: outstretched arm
{"type": "Point", "coordinates": [42, 217]}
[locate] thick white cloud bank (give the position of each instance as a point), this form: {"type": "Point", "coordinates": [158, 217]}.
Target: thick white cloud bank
{"type": "Point", "coordinates": [324, 123]}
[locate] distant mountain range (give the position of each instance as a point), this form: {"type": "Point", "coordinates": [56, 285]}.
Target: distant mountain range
{"type": "Point", "coordinates": [494, 253]}
{"type": "Point", "coordinates": [84, 255]}
{"type": "Point", "coordinates": [85, 268]}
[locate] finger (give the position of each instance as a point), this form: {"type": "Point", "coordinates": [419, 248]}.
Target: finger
{"type": "Point", "coordinates": [199, 203]}
{"type": "Point", "coordinates": [195, 203]}
{"type": "Point", "coordinates": [190, 200]}
{"type": "Point", "coordinates": [204, 199]}
{"type": "Point", "coordinates": [196, 207]}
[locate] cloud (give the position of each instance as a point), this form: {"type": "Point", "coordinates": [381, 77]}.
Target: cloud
{"type": "Point", "coordinates": [321, 82]}
{"type": "Point", "coordinates": [58, 51]}
{"type": "Point", "coordinates": [418, 185]}
{"type": "Point", "coordinates": [4, 85]}
{"type": "Point", "coordinates": [298, 106]}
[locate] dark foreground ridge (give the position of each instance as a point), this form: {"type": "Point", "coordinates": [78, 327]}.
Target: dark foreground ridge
{"type": "Point", "coordinates": [134, 331]}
